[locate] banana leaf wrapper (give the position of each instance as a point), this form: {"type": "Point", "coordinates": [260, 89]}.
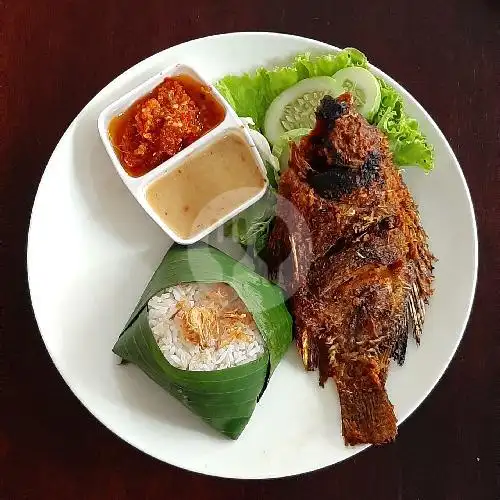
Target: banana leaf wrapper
{"type": "Point", "coordinates": [224, 399]}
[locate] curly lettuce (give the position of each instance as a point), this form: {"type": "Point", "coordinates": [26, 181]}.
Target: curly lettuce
{"type": "Point", "coordinates": [408, 145]}
{"type": "Point", "coordinates": [251, 94]}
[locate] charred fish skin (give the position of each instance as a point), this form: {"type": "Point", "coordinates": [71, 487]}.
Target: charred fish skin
{"type": "Point", "coordinates": [362, 271]}
{"type": "Point", "coordinates": [340, 180]}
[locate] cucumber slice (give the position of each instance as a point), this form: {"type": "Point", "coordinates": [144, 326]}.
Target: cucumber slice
{"type": "Point", "coordinates": [363, 86]}
{"type": "Point", "coordinates": [295, 107]}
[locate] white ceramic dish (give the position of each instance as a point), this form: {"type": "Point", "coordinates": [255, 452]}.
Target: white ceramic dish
{"type": "Point", "coordinates": [92, 249]}
{"type": "Point", "coordinates": [138, 185]}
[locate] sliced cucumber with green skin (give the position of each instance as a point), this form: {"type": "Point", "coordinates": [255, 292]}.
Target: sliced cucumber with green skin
{"type": "Point", "coordinates": [295, 107]}
{"type": "Point", "coordinates": [363, 86]}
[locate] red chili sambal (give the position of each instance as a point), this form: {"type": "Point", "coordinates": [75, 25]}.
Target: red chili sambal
{"type": "Point", "coordinates": [156, 127]}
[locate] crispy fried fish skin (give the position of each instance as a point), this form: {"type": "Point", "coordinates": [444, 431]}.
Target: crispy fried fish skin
{"type": "Point", "coordinates": [360, 271]}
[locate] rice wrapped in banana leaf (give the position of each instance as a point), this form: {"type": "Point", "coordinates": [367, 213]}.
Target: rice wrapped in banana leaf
{"type": "Point", "coordinates": [210, 332]}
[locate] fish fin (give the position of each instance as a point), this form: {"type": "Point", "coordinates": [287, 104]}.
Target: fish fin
{"type": "Point", "coordinates": [416, 311]}
{"type": "Point", "coordinates": [401, 342]}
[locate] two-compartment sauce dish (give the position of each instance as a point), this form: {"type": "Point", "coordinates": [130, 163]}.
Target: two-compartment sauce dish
{"type": "Point", "coordinates": [183, 153]}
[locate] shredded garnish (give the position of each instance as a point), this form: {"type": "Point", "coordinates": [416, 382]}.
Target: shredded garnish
{"type": "Point", "coordinates": [211, 323]}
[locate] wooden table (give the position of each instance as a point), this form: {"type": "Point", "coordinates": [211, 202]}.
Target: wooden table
{"type": "Point", "coordinates": [55, 55]}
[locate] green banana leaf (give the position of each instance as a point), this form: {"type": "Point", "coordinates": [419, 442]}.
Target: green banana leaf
{"type": "Point", "coordinates": [224, 399]}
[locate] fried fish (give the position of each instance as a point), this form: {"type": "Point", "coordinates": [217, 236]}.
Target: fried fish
{"type": "Point", "coordinates": [349, 247]}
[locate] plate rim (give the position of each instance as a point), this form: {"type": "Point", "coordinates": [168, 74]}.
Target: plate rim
{"type": "Point", "coordinates": [326, 46]}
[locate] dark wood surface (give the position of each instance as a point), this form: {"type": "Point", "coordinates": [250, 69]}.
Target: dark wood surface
{"type": "Point", "coordinates": [56, 55]}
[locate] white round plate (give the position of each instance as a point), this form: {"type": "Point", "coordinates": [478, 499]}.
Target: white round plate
{"type": "Point", "coordinates": [92, 249]}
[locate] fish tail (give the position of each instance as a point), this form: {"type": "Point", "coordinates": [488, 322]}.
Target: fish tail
{"type": "Point", "coordinates": [367, 414]}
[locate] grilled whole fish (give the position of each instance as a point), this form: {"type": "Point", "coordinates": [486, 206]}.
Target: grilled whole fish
{"type": "Point", "coordinates": [354, 257]}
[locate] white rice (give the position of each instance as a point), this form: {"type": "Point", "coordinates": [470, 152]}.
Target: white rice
{"type": "Point", "coordinates": [185, 355]}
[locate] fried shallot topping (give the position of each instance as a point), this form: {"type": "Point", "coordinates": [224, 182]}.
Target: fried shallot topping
{"type": "Point", "coordinates": [219, 319]}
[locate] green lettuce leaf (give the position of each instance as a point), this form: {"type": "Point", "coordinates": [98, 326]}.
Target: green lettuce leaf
{"type": "Point", "coordinates": [251, 94]}
{"type": "Point", "coordinates": [328, 64]}
{"type": "Point", "coordinates": [408, 145]}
